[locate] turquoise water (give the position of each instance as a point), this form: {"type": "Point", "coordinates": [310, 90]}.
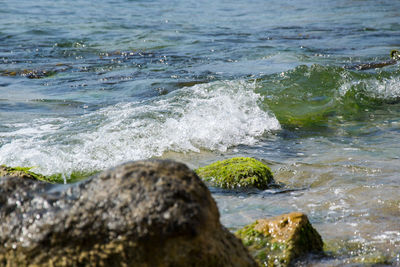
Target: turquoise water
{"type": "Point", "coordinates": [85, 86]}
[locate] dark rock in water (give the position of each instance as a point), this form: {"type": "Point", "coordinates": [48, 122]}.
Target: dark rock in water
{"type": "Point", "coordinates": [375, 65]}
{"type": "Point", "coordinates": [144, 213]}
{"type": "Point", "coordinates": [36, 73]}
{"type": "Point", "coordinates": [280, 240]}
{"type": "Point", "coordinates": [395, 58]}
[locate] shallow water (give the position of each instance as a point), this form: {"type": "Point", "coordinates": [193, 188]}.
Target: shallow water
{"type": "Point", "coordinates": [86, 87]}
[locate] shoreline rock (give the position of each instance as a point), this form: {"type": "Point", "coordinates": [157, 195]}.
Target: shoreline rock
{"type": "Point", "coordinates": [144, 213]}
{"type": "Point", "coordinates": [26, 173]}
{"type": "Point", "coordinates": [19, 172]}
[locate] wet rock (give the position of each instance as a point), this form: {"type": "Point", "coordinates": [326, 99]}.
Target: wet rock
{"type": "Point", "coordinates": [144, 213]}
{"type": "Point", "coordinates": [36, 73]}
{"type": "Point", "coordinates": [280, 240]}
{"type": "Point", "coordinates": [26, 173]}
{"type": "Point", "coordinates": [395, 54]}
{"type": "Point", "coordinates": [31, 74]}
{"type": "Point", "coordinates": [395, 58]}
{"type": "Point", "coordinates": [18, 172]}
{"type": "Point", "coordinates": [237, 172]}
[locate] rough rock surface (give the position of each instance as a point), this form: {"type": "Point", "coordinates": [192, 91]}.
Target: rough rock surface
{"type": "Point", "coordinates": [280, 240]}
{"type": "Point", "coordinates": [144, 213]}
{"type": "Point", "coordinates": [17, 172]}
{"type": "Point", "coordinates": [237, 172]}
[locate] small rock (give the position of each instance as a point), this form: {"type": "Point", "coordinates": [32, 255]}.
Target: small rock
{"type": "Point", "coordinates": [280, 240]}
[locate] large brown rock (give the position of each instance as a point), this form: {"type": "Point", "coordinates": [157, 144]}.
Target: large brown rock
{"type": "Point", "coordinates": [145, 213]}
{"type": "Point", "coordinates": [278, 241]}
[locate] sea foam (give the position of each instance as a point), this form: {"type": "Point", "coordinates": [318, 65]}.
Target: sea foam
{"type": "Point", "coordinates": [213, 116]}
{"type": "Point", "coordinates": [387, 89]}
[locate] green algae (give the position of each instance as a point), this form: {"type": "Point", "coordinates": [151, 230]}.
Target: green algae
{"type": "Point", "coordinates": [22, 172]}
{"type": "Point", "coordinates": [240, 172]}
{"type": "Point", "coordinates": [72, 178]}
{"type": "Point", "coordinates": [58, 178]}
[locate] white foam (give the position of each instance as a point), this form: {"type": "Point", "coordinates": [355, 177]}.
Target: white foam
{"type": "Point", "coordinates": [386, 88]}
{"type": "Point", "coordinates": [212, 116]}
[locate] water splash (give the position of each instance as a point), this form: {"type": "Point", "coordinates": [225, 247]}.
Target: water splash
{"type": "Point", "coordinates": [212, 116]}
{"type": "Point", "coordinates": [386, 89]}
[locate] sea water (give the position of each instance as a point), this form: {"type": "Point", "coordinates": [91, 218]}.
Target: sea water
{"type": "Point", "coordinates": [85, 86]}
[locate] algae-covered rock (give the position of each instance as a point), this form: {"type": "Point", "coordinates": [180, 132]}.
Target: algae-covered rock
{"type": "Point", "coordinates": [20, 172]}
{"type": "Point", "coordinates": [237, 172]}
{"type": "Point", "coordinates": [26, 173]}
{"type": "Point", "coordinates": [278, 241]}
{"type": "Point", "coordinates": [145, 213]}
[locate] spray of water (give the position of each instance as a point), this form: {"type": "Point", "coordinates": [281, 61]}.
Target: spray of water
{"type": "Point", "coordinates": [212, 116]}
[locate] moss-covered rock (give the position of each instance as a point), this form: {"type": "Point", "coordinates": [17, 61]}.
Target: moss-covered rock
{"type": "Point", "coordinates": [26, 173]}
{"type": "Point", "coordinates": [280, 240]}
{"type": "Point", "coordinates": [20, 172]}
{"type": "Point", "coordinates": [237, 172]}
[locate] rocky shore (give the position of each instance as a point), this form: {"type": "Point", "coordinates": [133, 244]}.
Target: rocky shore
{"type": "Point", "coordinates": [143, 213]}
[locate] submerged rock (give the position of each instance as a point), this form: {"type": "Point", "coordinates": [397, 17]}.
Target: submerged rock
{"type": "Point", "coordinates": [144, 213]}
{"type": "Point", "coordinates": [237, 172]}
{"type": "Point", "coordinates": [280, 240]}
{"type": "Point", "coordinates": [36, 73]}
{"type": "Point", "coordinates": [31, 74]}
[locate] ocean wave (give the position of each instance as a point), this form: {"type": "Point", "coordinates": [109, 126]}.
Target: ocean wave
{"type": "Point", "coordinates": [212, 116]}
{"type": "Point", "coordinates": [386, 89]}
{"type": "Point", "coordinates": [315, 96]}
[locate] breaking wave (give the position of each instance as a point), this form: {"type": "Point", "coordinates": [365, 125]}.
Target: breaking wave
{"type": "Point", "coordinates": [212, 116]}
